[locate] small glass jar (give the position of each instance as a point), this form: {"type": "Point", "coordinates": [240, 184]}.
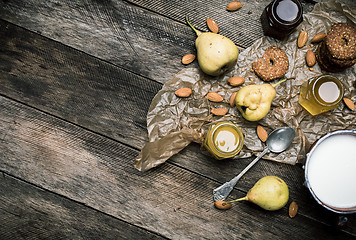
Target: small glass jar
{"type": "Point", "coordinates": [321, 94]}
{"type": "Point", "coordinates": [224, 140]}
{"type": "Point", "coordinates": [281, 17]}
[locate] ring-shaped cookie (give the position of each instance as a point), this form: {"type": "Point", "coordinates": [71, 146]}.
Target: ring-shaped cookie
{"type": "Point", "coordinates": [273, 64]}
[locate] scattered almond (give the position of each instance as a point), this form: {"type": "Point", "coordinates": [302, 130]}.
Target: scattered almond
{"type": "Point", "coordinates": [232, 99]}
{"type": "Point", "coordinates": [233, 6]}
{"type": "Point", "coordinates": [318, 38]}
{"type": "Point", "coordinates": [302, 39]}
{"type": "Point", "coordinates": [219, 111]}
{"type": "Point", "coordinates": [186, 59]}
{"type": "Point", "coordinates": [183, 92]}
{"type": "Point", "coordinates": [214, 97]}
{"type": "Point", "coordinates": [212, 25]}
{"type": "Point", "coordinates": [310, 58]}
{"type": "Point", "coordinates": [349, 103]}
{"type": "Point", "coordinates": [262, 133]}
{"type": "Point", "coordinates": [293, 209]}
{"type": "Point", "coordinates": [311, 69]}
{"type": "Point", "coordinates": [236, 81]}
{"type": "Point", "coordinates": [222, 205]}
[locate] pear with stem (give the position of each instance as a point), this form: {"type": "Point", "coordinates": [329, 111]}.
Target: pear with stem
{"type": "Point", "coordinates": [216, 54]}
{"type": "Point", "coordinates": [270, 193]}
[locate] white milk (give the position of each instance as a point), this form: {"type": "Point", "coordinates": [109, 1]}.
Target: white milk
{"type": "Point", "coordinates": [332, 171]}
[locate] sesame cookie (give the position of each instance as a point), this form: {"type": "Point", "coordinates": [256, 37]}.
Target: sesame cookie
{"type": "Point", "coordinates": [273, 64]}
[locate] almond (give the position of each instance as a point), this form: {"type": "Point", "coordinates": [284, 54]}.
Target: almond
{"type": "Point", "coordinates": [233, 6]}
{"type": "Point", "coordinates": [349, 103]}
{"type": "Point", "coordinates": [232, 99]}
{"type": "Point", "coordinates": [183, 92]}
{"type": "Point", "coordinates": [236, 81]}
{"type": "Point", "coordinates": [262, 133]}
{"type": "Point", "coordinates": [214, 97]}
{"type": "Point", "coordinates": [186, 59]}
{"type": "Point", "coordinates": [212, 25]}
{"type": "Point", "coordinates": [310, 58]}
{"type": "Point", "coordinates": [222, 205]}
{"type": "Point", "coordinates": [219, 111]}
{"type": "Point", "coordinates": [302, 39]}
{"type": "Point", "coordinates": [293, 209]}
{"type": "Point", "coordinates": [318, 38]}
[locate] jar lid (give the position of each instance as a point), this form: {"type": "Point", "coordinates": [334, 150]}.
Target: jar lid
{"type": "Point", "coordinates": [287, 13]}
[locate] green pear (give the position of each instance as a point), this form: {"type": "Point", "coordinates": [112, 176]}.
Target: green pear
{"type": "Point", "coordinates": [270, 193]}
{"type": "Point", "coordinates": [216, 53]}
{"type": "Point", "coordinates": [254, 101]}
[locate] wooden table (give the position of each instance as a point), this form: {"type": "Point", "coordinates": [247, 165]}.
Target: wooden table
{"type": "Point", "coordinates": [76, 82]}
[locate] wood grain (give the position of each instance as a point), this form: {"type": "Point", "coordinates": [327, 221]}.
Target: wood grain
{"type": "Point", "coordinates": [29, 212]}
{"type": "Point", "coordinates": [97, 172]}
{"type": "Point", "coordinates": [74, 86]}
{"type": "Point", "coordinates": [114, 31]}
{"type": "Point", "coordinates": [66, 83]}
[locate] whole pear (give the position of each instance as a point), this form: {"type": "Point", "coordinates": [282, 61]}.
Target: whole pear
{"type": "Point", "coordinates": [270, 193]}
{"type": "Point", "coordinates": [254, 101]}
{"type": "Point", "coordinates": [216, 54]}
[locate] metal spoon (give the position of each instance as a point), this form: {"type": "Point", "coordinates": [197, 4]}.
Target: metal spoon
{"type": "Point", "coordinates": [278, 141]}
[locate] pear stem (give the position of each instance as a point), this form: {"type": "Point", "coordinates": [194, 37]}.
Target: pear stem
{"type": "Point", "coordinates": [190, 25]}
{"type": "Point", "coordinates": [274, 85]}
{"type": "Point", "coordinates": [237, 200]}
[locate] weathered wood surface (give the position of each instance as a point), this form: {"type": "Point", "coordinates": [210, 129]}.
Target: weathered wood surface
{"type": "Point", "coordinates": [29, 212]}
{"type": "Point", "coordinates": [72, 125]}
{"type": "Point", "coordinates": [96, 171]}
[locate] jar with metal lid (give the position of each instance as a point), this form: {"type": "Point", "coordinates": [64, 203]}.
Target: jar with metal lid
{"type": "Point", "coordinates": [321, 94]}
{"type": "Point", "coordinates": [281, 17]}
{"type": "Point", "coordinates": [224, 140]}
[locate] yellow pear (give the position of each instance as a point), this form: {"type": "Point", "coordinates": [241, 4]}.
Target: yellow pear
{"type": "Point", "coordinates": [254, 101]}
{"type": "Point", "coordinates": [216, 53]}
{"type": "Point", "coordinates": [270, 193]}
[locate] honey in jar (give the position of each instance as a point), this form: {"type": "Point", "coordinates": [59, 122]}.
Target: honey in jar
{"type": "Point", "coordinates": [224, 140]}
{"type": "Point", "coordinates": [281, 17]}
{"type": "Point", "coordinates": [321, 94]}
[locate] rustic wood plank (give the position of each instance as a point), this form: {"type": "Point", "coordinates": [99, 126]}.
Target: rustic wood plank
{"type": "Point", "coordinates": [28, 212]}
{"type": "Point", "coordinates": [117, 32]}
{"type": "Point", "coordinates": [97, 171]}
{"type": "Point", "coordinates": [40, 73]}
{"type": "Point", "coordinates": [74, 86]}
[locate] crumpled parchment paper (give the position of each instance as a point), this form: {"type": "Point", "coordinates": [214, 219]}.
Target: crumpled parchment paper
{"type": "Point", "coordinates": [173, 122]}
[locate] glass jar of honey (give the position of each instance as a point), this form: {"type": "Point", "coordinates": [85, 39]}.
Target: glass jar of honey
{"type": "Point", "coordinates": [281, 17]}
{"type": "Point", "coordinates": [224, 140]}
{"type": "Point", "coordinates": [321, 94]}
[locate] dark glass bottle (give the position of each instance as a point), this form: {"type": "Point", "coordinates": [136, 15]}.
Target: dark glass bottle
{"type": "Point", "coordinates": [281, 17]}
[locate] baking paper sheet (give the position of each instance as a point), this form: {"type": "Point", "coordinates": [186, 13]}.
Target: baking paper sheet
{"type": "Point", "coordinates": [173, 122]}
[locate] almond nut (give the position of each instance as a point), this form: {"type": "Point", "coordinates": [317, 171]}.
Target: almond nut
{"type": "Point", "coordinates": [219, 111]}
{"type": "Point", "coordinates": [214, 97]}
{"type": "Point", "coordinates": [222, 205]}
{"type": "Point", "coordinates": [349, 103]}
{"type": "Point", "coordinates": [262, 133]}
{"type": "Point", "coordinates": [186, 59]}
{"type": "Point", "coordinates": [293, 209]}
{"type": "Point", "coordinates": [212, 25]}
{"type": "Point", "coordinates": [302, 39]}
{"type": "Point", "coordinates": [233, 6]}
{"type": "Point", "coordinates": [183, 92]}
{"type": "Point", "coordinates": [236, 81]}
{"type": "Point", "coordinates": [310, 58]}
{"type": "Point", "coordinates": [232, 99]}
{"type": "Point", "coordinates": [318, 38]}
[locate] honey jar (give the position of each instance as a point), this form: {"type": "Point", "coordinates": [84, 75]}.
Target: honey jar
{"type": "Point", "coordinates": [281, 17]}
{"type": "Point", "coordinates": [224, 140]}
{"type": "Point", "coordinates": [321, 94]}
